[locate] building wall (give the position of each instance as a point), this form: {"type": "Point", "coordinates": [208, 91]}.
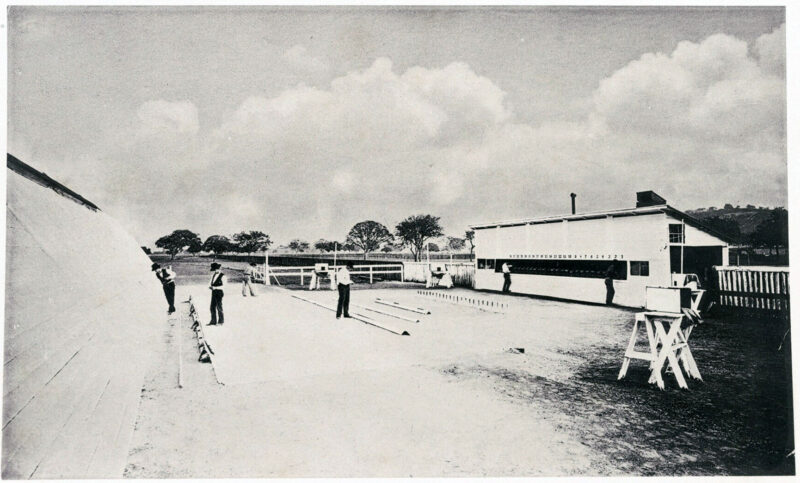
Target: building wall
{"type": "Point", "coordinates": [627, 238]}
{"type": "Point", "coordinates": [82, 312]}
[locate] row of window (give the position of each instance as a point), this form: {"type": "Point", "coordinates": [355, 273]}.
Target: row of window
{"type": "Point", "coordinates": [618, 269]}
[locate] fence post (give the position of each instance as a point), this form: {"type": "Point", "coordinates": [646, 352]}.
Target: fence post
{"type": "Point", "coordinates": [370, 274]}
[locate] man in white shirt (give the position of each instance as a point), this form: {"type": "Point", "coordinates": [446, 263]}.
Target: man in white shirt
{"type": "Point", "coordinates": [217, 292]}
{"type": "Point", "coordinates": [507, 277]}
{"type": "Point", "coordinates": [249, 276]}
{"type": "Point", "coordinates": [343, 281]}
{"type": "Point", "coordinates": [167, 278]}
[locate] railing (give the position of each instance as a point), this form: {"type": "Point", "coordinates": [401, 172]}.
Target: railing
{"type": "Point", "coordinates": [762, 288]}
{"type": "Point", "coordinates": [463, 273]}
{"type": "Point", "coordinates": [359, 271]}
{"type": "Point", "coordinates": [374, 256]}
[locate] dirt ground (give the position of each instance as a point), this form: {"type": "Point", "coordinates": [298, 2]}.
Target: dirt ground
{"type": "Point", "coordinates": [305, 395]}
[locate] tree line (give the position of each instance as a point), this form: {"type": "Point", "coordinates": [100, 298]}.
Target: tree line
{"type": "Point", "coordinates": [248, 242]}
{"type": "Point", "coordinates": [771, 232]}
{"type": "Point", "coordinates": [415, 232]}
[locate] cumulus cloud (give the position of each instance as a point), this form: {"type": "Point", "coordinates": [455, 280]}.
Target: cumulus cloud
{"type": "Point", "coordinates": [771, 51]}
{"type": "Point", "coordinates": [712, 91]}
{"type": "Point", "coordinates": [160, 116]}
{"type": "Point", "coordinates": [380, 144]}
{"type": "Point", "coordinates": [299, 58]}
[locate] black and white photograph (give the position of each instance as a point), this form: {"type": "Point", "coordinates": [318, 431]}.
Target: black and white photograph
{"type": "Point", "coordinates": [385, 241]}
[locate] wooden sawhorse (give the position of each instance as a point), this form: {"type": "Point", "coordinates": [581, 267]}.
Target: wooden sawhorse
{"type": "Point", "coordinates": [668, 339]}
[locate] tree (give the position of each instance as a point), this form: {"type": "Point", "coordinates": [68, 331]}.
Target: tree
{"type": "Point", "coordinates": [368, 236]}
{"type": "Point", "coordinates": [251, 241]}
{"type": "Point", "coordinates": [387, 249]}
{"type": "Point", "coordinates": [455, 244]}
{"type": "Point", "coordinates": [772, 232]}
{"type": "Point", "coordinates": [298, 245]}
{"type": "Point", "coordinates": [195, 247]}
{"type": "Point", "coordinates": [469, 237]}
{"type": "Point", "coordinates": [415, 230]}
{"type": "Point", "coordinates": [726, 226]}
{"type": "Point", "coordinates": [433, 247]}
{"type": "Point", "coordinates": [177, 241]}
{"type": "Point", "coordinates": [326, 245]}
{"type": "Point", "coordinates": [217, 244]}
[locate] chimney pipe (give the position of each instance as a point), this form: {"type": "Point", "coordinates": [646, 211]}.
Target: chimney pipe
{"type": "Point", "coordinates": [573, 195]}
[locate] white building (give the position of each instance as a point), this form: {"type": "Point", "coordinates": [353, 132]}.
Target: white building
{"type": "Point", "coordinates": [568, 256]}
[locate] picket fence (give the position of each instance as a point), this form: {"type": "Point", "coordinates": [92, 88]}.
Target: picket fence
{"type": "Point", "coordinates": [761, 288]}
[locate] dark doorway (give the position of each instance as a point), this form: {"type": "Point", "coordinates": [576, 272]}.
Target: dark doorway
{"type": "Point", "coordinates": [697, 260]}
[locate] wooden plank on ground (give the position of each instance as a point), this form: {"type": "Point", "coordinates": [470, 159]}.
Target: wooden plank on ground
{"type": "Point", "coordinates": [359, 317]}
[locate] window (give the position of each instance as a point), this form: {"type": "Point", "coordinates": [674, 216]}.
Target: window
{"type": "Point", "coordinates": [567, 268]}
{"type": "Point", "coordinates": [490, 263]}
{"type": "Point", "coordinates": [481, 263]}
{"type": "Point", "coordinates": [676, 234]}
{"type": "Point", "coordinates": [641, 269]}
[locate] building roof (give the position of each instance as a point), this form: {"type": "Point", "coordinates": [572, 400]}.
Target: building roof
{"type": "Point", "coordinates": [646, 210]}
{"type": "Point", "coordinates": [39, 177]}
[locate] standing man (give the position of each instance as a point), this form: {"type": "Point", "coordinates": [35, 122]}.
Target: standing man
{"type": "Point", "coordinates": [167, 278]}
{"type": "Point", "coordinates": [344, 282]}
{"type": "Point", "coordinates": [216, 285]}
{"type": "Point", "coordinates": [249, 278]}
{"type": "Point", "coordinates": [506, 277]}
{"type": "Point", "coordinates": [610, 285]}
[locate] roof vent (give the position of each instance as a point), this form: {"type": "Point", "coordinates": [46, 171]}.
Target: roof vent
{"type": "Point", "coordinates": [648, 198]}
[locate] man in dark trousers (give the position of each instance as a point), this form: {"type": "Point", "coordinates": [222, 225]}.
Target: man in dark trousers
{"type": "Point", "coordinates": [610, 285]}
{"type": "Point", "coordinates": [216, 285]}
{"type": "Point", "coordinates": [343, 282]}
{"type": "Point", "coordinates": [167, 278]}
{"type": "Point", "coordinates": [506, 268]}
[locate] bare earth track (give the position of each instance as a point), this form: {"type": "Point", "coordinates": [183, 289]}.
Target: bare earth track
{"type": "Point", "coordinates": [305, 394]}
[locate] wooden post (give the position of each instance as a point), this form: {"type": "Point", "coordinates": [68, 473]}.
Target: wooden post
{"type": "Point", "coordinates": [266, 268]}
{"type": "Point", "coordinates": [370, 274]}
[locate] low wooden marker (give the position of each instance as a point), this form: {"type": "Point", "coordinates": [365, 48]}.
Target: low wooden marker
{"type": "Point", "coordinates": [358, 317]}
{"type": "Point", "coordinates": [418, 310]}
{"type": "Point", "coordinates": [481, 304]}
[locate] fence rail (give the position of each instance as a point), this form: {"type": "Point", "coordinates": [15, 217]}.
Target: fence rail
{"type": "Point", "coordinates": [374, 256]}
{"type": "Point", "coordinates": [760, 288]}
{"type": "Point", "coordinates": [370, 271]}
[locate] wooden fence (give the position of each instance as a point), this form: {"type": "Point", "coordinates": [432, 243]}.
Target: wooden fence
{"type": "Point", "coordinates": [761, 288]}
{"type": "Point", "coordinates": [463, 273]}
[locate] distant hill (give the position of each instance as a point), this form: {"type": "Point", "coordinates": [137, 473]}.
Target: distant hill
{"type": "Point", "coordinates": [747, 218]}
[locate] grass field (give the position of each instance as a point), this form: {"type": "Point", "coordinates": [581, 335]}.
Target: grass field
{"type": "Point", "coordinates": [304, 394]}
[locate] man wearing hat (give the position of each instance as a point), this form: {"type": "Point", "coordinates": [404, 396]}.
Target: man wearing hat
{"type": "Point", "coordinates": [343, 281]}
{"type": "Point", "coordinates": [216, 285]}
{"type": "Point", "coordinates": [167, 278]}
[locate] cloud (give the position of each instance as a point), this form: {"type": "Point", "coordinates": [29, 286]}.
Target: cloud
{"type": "Point", "coordinates": [701, 125]}
{"type": "Point", "coordinates": [299, 58]}
{"type": "Point", "coordinates": [771, 51]}
{"type": "Point", "coordinates": [712, 91]}
{"type": "Point", "coordinates": [160, 116]}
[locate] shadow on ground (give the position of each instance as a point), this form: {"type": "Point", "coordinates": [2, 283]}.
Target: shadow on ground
{"type": "Point", "coordinates": [737, 421]}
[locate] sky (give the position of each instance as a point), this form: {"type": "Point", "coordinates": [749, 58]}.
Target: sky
{"type": "Point", "coordinates": [302, 121]}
